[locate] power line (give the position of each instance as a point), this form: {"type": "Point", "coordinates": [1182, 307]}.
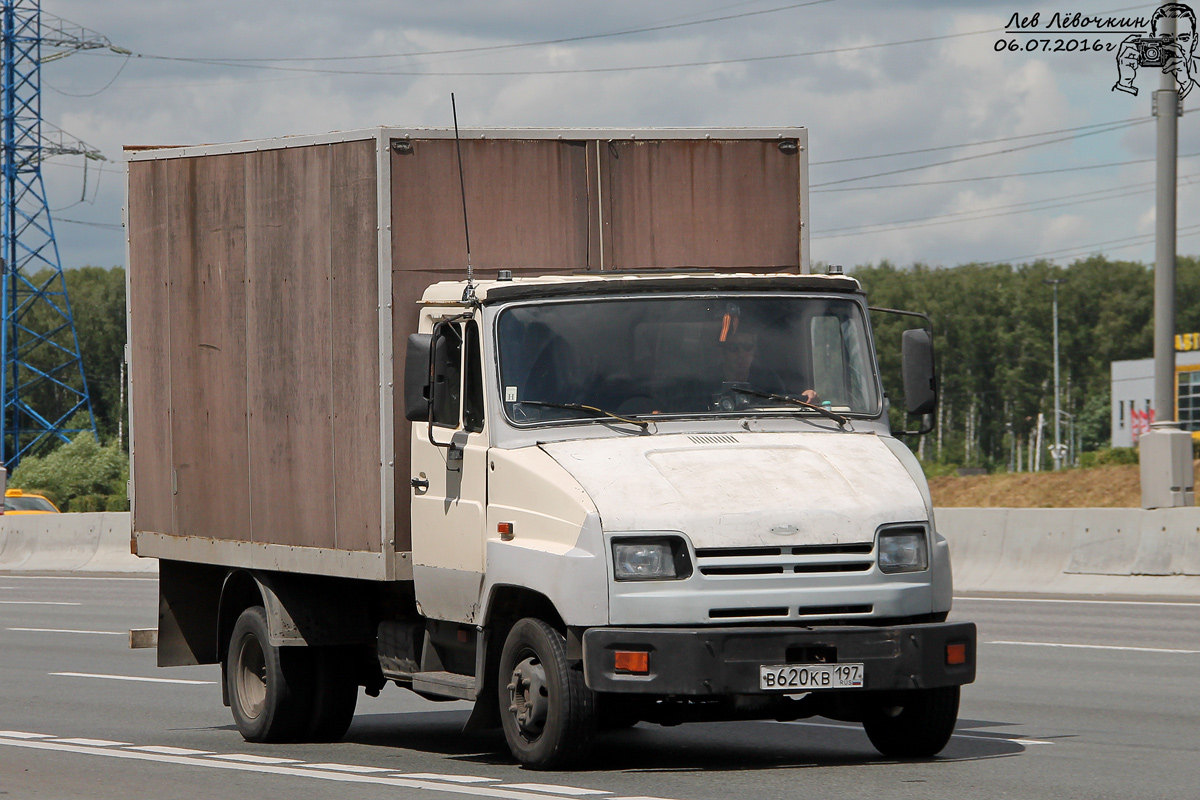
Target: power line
{"type": "Point", "coordinates": [973, 144]}
{"type": "Point", "coordinates": [496, 47]}
{"type": "Point", "coordinates": [584, 70]}
{"type": "Point", "coordinates": [110, 225]}
{"type": "Point", "coordinates": [996, 177]}
{"type": "Point", "coordinates": [1088, 248]}
{"type": "Point", "coordinates": [1117, 127]}
{"type": "Point", "coordinates": [1108, 191]}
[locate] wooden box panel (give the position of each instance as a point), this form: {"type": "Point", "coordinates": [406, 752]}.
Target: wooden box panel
{"type": "Point", "coordinates": [206, 252]}
{"type": "Point", "coordinates": [289, 344]}
{"type": "Point", "coordinates": [355, 358]}
{"type": "Point", "coordinates": [700, 203]}
{"type": "Point", "coordinates": [150, 367]}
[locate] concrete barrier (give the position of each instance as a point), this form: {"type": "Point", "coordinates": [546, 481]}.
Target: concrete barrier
{"type": "Point", "coordinates": [1052, 550]}
{"type": "Point", "coordinates": [1074, 550]}
{"type": "Point", "coordinates": [97, 542]}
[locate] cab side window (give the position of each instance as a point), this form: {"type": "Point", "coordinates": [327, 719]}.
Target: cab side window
{"type": "Point", "coordinates": [472, 380]}
{"type": "Point", "coordinates": [447, 375]}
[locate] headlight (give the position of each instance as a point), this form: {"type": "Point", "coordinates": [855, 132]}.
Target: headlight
{"type": "Point", "coordinates": [903, 551]}
{"type": "Point", "coordinates": [662, 558]}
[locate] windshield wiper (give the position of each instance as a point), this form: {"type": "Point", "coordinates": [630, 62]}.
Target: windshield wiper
{"type": "Point", "coordinates": [825, 412]}
{"type": "Point", "coordinates": [581, 407]}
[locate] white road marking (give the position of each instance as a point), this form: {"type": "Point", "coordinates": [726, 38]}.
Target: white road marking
{"type": "Point", "coordinates": [436, 776]}
{"type": "Point", "coordinates": [132, 678]}
{"type": "Point", "coordinates": [67, 630]}
{"type": "Point", "coordinates": [162, 749]}
{"type": "Point", "coordinates": [37, 603]}
{"type": "Point", "coordinates": [24, 735]}
{"type": "Point", "coordinates": [252, 759]}
{"type": "Point", "coordinates": [1101, 647]}
{"type": "Point", "coordinates": [551, 789]}
{"type": "Point", "coordinates": [302, 771]}
{"type": "Point", "coordinates": [1067, 600]}
{"type": "Point", "coordinates": [349, 768]}
{"type": "Point", "coordinates": [92, 742]}
{"type": "Point", "coordinates": [73, 578]}
{"type": "Point", "coordinates": [953, 736]}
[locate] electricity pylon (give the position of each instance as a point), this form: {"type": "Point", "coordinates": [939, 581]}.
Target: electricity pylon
{"type": "Point", "coordinates": [42, 383]}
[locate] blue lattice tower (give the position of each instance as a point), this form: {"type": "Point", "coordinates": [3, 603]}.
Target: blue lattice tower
{"type": "Point", "coordinates": [42, 382]}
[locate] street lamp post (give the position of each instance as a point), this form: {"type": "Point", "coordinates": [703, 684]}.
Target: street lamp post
{"type": "Point", "coordinates": [1058, 450]}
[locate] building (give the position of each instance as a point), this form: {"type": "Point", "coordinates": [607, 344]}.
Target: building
{"type": "Point", "coordinates": [1133, 392]}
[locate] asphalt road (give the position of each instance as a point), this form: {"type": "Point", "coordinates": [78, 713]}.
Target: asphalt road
{"type": "Point", "coordinates": [1075, 699]}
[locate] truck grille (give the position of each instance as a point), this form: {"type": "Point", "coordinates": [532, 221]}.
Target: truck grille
{"type": "Point", "coordinates": [817, 559]}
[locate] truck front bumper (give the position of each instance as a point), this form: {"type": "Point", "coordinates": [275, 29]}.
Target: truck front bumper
{"type": "Point", "coordinates": [726, 660]}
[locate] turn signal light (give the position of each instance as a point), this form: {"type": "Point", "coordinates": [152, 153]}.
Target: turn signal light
{"type": "Point", "coordinates": [505, 529]}
{"type": "Point", "coordinates": [635, 662]}
{"type": "Point", "coordinates": [956, 654]}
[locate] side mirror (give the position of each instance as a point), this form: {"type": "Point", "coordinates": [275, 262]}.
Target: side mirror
{"type": "Point", "coordinates": [920, 381]}
{"type": "Point", "coordinates": [416, 377]}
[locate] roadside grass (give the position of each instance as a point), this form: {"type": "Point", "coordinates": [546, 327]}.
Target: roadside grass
{"type": "Point", "coordinates": [1111, 486]}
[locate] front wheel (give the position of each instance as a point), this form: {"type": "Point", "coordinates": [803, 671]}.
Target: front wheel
{"type": "Point", "coordinates": [915, 723]}
{"type": "Point", "coordinates": [547, 711]}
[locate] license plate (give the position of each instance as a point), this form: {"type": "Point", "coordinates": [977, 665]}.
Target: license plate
{"type": "Point", "coordinates": [809, 677]}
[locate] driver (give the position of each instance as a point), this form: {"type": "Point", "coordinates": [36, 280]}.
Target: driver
{"type": "Point", "coordinates": [738, 350]}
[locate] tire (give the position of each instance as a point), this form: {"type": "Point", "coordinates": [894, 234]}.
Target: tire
{"type": "Point", "coordinates": [270, 688]}
{"type": "Point", "coordinates": [547, 712]}
{"type": "Point", "coordinates": [916, 723]}
{"type": "Point", "coordinates": [335, 694]}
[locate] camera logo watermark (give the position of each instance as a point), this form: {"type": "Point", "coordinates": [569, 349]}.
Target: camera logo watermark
{"type": "Point", "coordinates": [1146, 45]}
{"type": "Point", "coordinates": [1175, 55]}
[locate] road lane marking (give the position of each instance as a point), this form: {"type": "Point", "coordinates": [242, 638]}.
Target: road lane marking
{"type": "Point", "coordinates": [251, 759]}
{"type": "Point", "coordinates": [67, 630]}
{"type": "Point", "coordinates": [552, 789]}
{"type": "Point", "coordinates": [92, 742]}
{"type": "Point", "coordinates": [295, 771]}
{"type": "Point", "coordinates": [350, 768]}
{"type": "Point", "coordinates": [1099, 602]}
{"type": "Point", "coordinates": [436, 776]}
{"type": "Point", "coordinates": [73, 578]}
{"type": "Point", "coordinates": [37, 603]}
{"type": "Point", "coordinates": [24, 735]}
{"type": "Point", "coordinates": [132, 678]}
{"type": "Point", "coordinates": [162, 749]}
{"type": "Point", "coordinates": [953, 735]}
{"type": "Point", "coordinates": [1101, 647]}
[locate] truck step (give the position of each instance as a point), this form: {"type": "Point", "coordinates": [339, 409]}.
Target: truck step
{"type": "Point", "coordinates": [445, 684]}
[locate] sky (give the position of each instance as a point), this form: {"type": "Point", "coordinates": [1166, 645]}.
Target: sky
{"type": "Point", "coordinates": [1020, 155]}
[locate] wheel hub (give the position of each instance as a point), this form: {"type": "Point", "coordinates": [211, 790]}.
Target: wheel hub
{"type": "Point", "coordinates": [251, 678]}
{"type": "Point", "coordinates": [529, 697]}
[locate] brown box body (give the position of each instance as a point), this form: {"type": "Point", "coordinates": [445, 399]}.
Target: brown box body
{"type": "Point", "coordinates": [272, 286]}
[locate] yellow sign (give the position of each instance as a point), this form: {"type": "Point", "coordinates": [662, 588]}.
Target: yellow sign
{"type": "Point", "coordinates": [1185, 342]}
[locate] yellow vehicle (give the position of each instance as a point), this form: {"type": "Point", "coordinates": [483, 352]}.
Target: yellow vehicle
{"type": "Point", "coordinates": [19, 502]}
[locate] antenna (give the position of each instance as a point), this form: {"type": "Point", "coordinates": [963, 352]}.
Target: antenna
{"type": "Point", "coordinates": [462, 186]}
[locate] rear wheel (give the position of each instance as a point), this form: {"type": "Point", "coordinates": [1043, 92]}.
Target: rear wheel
{"type": "Point", "coordinates": [916, 723]}
{"type": "Point", "coordinates": [335, 694]}
{"type": "Point", "coordinates": [547, 711]}
{"type": "Point", "coordinates": [270, 688]}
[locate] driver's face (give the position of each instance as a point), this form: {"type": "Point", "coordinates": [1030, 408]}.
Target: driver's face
{"type": "Point", "coordinates": [737, 354]}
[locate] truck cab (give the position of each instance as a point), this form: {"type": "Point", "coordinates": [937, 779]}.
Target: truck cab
{"type": "Point", "coordinates": [695, 476]}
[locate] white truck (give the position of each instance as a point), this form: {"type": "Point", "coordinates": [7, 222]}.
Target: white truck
{"type": "Point", "coordinates": [650, 477]}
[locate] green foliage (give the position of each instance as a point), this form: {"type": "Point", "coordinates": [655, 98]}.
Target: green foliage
{"type": "Point", "coordinates": [79, 476]}
{"type": "Point", "coordinates": [1109, 456]}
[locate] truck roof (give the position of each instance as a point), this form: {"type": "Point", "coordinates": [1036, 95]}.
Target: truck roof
{"type": "Point", "coordinates": [385, 133]}
{"type": "Point", "coordinates": [493, 290]}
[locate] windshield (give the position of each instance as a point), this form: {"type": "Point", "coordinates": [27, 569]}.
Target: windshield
{"type": "Point", "coordinates": [27, 503]}
{"type": "Point", "coordinates": [684, 356]}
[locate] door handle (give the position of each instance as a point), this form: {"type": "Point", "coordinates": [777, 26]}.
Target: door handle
{"type": "Point", "coordinates": [420, 484]}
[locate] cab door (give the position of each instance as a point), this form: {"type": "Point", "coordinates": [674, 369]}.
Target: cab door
{"type": "Point", "coordinates": [449, 482]}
